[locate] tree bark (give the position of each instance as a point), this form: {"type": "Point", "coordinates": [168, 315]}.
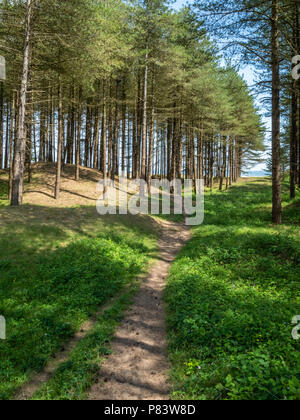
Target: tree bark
{"type": "Point", "coordinates": [60, 142]}
{"type": "Point", "coordinates": [293, 142]}
{"type": "Point", "coordinates": [103, 136]}
{"type": "Point", "coordinates": [144, 133]}
{"type": "Point", "coordinates": [277, 203]}
{"type": "Point", "coordinates": [20, 147]}
{"type": "Point", "coordinates": [223, 169]}
{"type": "Point", "coordinates": [11, 146]}
{"type": "Point", "coordinates": [78, 143]}
{"type": "Point", "coordinates": [150, 155]}
{"type": "Point", "coordinates": [6, 157]}
{"type": "Point", "coordinates": [1, 124]}
{"type": "Point", "coordinates": [115, 145]}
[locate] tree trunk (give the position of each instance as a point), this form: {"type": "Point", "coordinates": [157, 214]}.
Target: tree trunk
{"type": "Point", "coordinates": [18, 170]}
{"type": "Point", "coordinates": [115, 145]}
{"type": "Point", "coordinates": [169, 149]}
{"type": "Point", "coordinates": [150, 155]}
{"type": "Point", "coordinates": [78, 143]}
{"type": "Point", "coordinates": [134, 142]}
{"type": "Point", "coordinates": [96, 138]}
{"type": "Point", "coordinates": [60, 142]}
{"type": "Point", "coordinates": [88, 134]}
{"type": "Point", "coordinates": [110, 134]}
{"type": "Point", "coordinates": [123, 129]}
{"type": "Point", "coordinates": [277, 205]}
{"type": "Point", "coordinates": [11, 146]}
{"type": "Point", "coordinates": [1, 125]}
{"type": "Point", "coordinates": [42, 136]}
{"type": "Point", "coordinates": [223, 169]}
{"type": "Point", "coordinates": [103, 136]}
{"type": "Point", "coordinates": [293, 142]}
{"type": "Point", "coordinates": [7, 138]}
{"type": "Point", "coordinates": [144, 133]}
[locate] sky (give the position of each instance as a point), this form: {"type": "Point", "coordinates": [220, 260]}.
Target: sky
{"type": "Point", "coordinates": [248, 73]}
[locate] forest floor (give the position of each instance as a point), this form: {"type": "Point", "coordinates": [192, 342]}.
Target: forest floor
{"type": "Point", "coordinates": [84, 298]}
{"type": "Point", "coordinates": [138, 367]}
{"type": "Point", "coordinates": [67, 276]}
{"type": "Point", "coordinates": [41, 190]}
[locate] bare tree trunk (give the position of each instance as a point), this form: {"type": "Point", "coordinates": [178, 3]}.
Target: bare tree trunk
{"type": "Point", "coordinates": [123, 128]}
{"type": "Point", "coordinates": [79, 124]}
{"type": "Point", "coordinates": [110, 133]}
{"type": "Point", "coordinates": [88, 136]}
{"type": "Point", "coordinates": [42, 136]}
{"type": "Point", "coordinates": [297, 47]}
{"type": "Point", "coordinates": [178, 159]}
{"type": "Point", "coordinates": [1, 124]}
{"type": "Point", "coordinates": [200, 155]}
{"type": "Point", "coordinates": [11, 142]}
{"type": "Point", "coordinates": [72, 128]}
{"type": "Point", "coordinates": [293, 139]}
{"type": "Point", "coordinates": [144, 135]}
{"type": "Point", "coordinates": [223, 169]}
{"type": "Point", "coordinates": [34, 140]}
{"type": "Point", "coordinates": [211, 165]}
{"type": "Point", "coordinates": [169, 149]}
{"type": "Point", "coordinates": [150, 156]}
{"type": "Point", "coordinates": [134, 143]}
{"type": "Point", "coordinates": [115, 145]}
{"type": "Point", "coordinates": [103, 157]}
{"type": "Point", "coordinates": [51, 128]}
{"type": "Point", "coordinates": [139, 116]}
{"type": "Point", "coordinates": [60, 142]}
{"type": "Point", "coordinates": [277, 204]}
{"type": "Point", "coordinates": [7, 138]}
{"type": "Point", "coordinates": [29, 145]}
{"type": "Point", "coordinates": [129, 154]}
{"type": "Point", "coordinates": [174, 145]}
{"type": "Point", "coordinates": [293, 143]}
{"type": "Point", "coordinates": [96, 138]}
{"type": "Point", "coordinates": [20, 147]}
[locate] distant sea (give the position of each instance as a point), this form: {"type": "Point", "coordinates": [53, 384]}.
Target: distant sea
{"type": "Point", "coordinates": [255, 174]}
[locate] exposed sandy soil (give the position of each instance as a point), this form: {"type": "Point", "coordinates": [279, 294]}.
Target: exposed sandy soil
{"type": "Point", "coordinates": [138, 367]}
{"type": "Point", "coordinates": [41, 191]}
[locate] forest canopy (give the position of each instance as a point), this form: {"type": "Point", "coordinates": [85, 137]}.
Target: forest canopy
{"type": "Point", "coordinates": [118, 86]}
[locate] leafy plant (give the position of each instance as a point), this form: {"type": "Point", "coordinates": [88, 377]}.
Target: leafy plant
{"type": "Point", "coordinates": [231, 296]}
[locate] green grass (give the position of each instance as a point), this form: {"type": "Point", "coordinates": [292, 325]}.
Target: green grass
{"type": "Point", "coordinates": [73, 379]}
{"type": "Point", "coordinates": [57, 267]}
{"type": "Point", "coordinates": [231, 296]}
{"type": "Point", "coordinates": [3, 193]}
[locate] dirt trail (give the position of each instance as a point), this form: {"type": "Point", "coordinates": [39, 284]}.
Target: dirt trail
{"type": "Point", "coordinates": [137, 368]}
{"type": "Point", "coordinates": [138, 365]}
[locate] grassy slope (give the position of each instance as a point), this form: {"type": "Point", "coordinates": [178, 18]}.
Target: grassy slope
{"type": "Point", "coordinates": [231, 297]}
{"type": "Point", "coordinates": [57, 267]}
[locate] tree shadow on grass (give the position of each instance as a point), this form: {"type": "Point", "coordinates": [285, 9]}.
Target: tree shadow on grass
{"type": "Point", "coordinates": [231, 298]}
{"type": "Point", "coordinates": [247, 204]}
{"type": "Point", "coordinates": [57, 267]}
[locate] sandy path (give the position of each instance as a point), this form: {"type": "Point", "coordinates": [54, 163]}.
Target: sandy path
{"type": "Point", "coordinates": [137, 368]}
